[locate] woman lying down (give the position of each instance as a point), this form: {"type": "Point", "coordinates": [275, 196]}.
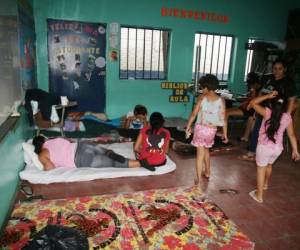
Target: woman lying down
{"type": "Point", "coordinates": [60, 152]}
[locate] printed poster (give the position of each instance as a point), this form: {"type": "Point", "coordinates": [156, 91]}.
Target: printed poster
{"type": "Point", "coordinates": [77, 62]}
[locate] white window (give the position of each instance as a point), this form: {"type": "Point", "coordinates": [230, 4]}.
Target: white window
{"type": "Point", "coordinates": [215, 55]}
{"type": "Point", "coordinates": [144, 53]}
{"type": "Point", "coordinates": [249, 57]}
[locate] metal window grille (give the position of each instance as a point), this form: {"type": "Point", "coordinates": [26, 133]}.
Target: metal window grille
{"type": "Point", "coordinates": [215, 55]}
{"type": "Point", "coordinates": [249, 58]}
{"type": "Point", "coordinates": [144, 53]}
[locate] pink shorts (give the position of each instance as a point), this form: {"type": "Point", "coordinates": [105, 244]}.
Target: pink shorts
{"type": "Point", "coordinates": [204, 136]}
{"type": "Point", "coordinates": [266, 155]}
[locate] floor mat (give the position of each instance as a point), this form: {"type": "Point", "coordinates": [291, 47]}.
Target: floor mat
{"type": "Point", "coordinates": [59, 175]}
{"type": "Point", "coordinates": [176, 218]}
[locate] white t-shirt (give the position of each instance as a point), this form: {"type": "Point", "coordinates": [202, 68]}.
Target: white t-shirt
{"type": "Point", "coordinates": [211, 113]}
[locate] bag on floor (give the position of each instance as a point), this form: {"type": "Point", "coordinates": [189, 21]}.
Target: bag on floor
{"type": "Point", "coordinates": [57, 237]}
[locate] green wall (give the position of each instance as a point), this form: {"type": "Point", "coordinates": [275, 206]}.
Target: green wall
{"type": "Point", "coordinates": [11, 164]}
{"type": "Point", "coordinates": [256, 19]}
{"type": "Point", "coordinates": [11, 152]}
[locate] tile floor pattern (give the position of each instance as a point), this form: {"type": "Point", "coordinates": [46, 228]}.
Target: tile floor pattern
{"type": "Point", "coordinates": [273, 225]}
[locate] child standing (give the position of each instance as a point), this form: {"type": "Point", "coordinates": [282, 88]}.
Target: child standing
{"type": "Point", "coordinates": [210, 113]}
{"type": "Point", "coordinates": [275, 121]}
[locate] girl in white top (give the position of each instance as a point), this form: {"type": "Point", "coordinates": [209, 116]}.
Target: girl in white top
{"type": "Point", "coordinates": [210, 109]}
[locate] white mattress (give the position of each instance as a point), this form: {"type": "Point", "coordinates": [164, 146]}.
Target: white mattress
{"type": "Point", "coordinates": [36, 176]}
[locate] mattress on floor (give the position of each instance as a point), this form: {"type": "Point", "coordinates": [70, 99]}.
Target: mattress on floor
{"type": "Point", "coordinates": [36, 176]}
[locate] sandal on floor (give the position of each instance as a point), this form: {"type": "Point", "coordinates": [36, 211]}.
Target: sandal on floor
{"type": "Point", "coordinates": [206, 176]}
{"type": "Point", "coordinates": [241, 139]}
{"type": "Point", "coordinates": [229, 191]}
{"type": "Point", "coordinates": [247, 158]}
{"type": "Point", "coordinates": [27, 191]}
{"type": "Point", "coordinates": [254, 197]}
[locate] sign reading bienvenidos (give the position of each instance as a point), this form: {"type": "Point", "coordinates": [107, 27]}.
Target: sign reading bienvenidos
{"type": "Point", "coordinates": [179, 91]}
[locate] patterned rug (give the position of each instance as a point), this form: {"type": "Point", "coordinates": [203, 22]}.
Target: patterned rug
{"type": "Point", "coordinates": [177, 218]}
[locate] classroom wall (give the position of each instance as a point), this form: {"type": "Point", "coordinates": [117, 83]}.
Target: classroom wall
{"type": "Point", "coordinates": [11, 144]}
{"type": "Point", "coordinates": [10, 87]}
{"type": "Point", "coordinates": [256, 19]}
{"type": "Point", "coordinates": [11, 164]}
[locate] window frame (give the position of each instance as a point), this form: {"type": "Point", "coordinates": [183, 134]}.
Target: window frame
{"type": "Point", "coordinates": [222, 82]}
{"type": "Point", "coordinates": [135, 69]}
{"type": "Point", "coordinates": [249, 57]}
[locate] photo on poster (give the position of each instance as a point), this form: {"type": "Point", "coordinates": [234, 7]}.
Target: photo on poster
{"type": "Point", "coordinates": [114, 55]}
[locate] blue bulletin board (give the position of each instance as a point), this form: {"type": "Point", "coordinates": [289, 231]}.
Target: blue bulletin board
{"type": "Point", "coordinates": [77, 62]}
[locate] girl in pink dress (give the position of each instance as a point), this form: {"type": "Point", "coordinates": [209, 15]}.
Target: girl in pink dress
{"type": "Point", "coordinates": [275, 121]}
{"type": "Point", "coordinates": [210, 113]}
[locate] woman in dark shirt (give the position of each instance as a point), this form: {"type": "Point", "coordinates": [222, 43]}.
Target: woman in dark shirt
{"type": "Point", "coordinates": [286, 89]}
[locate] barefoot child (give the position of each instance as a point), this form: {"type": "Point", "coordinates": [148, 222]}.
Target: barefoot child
{"type": "Point", "coordinates": [275, 121]}
{"type": "Point", "coordinates": [210, 113]}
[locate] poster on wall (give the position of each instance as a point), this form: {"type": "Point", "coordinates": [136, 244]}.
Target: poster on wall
{"type": "Point", "coordinates": [114, 29]}
{"type": "Point", "coordinates": [77, 62]}
{"type": "Point", "coordinates": [180, 91]}
{"type": "Point", "coordinates": [27, 45]}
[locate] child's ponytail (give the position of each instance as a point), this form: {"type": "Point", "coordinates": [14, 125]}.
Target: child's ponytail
{"type": "Point", "coordinates": [272, 125]}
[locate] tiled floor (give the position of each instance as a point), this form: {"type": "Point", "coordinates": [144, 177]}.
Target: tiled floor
{"type": "Point", "coordinates": [273, 225]}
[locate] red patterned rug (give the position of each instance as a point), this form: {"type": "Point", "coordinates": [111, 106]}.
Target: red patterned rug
{"type": "Point", "coordinates": [176, 218]}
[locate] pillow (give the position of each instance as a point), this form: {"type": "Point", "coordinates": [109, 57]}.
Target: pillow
{"type": "Point", "coordinates": [30, 157]}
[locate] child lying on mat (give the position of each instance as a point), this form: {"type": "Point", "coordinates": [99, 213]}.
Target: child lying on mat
{"type": "Point", "coordinates": [59, 152]}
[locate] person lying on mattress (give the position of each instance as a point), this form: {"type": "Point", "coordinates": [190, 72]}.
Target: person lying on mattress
{"type": "Point", "coordinates": [152, 143]}
{"type": "Point", "coordinates": [62, 153]}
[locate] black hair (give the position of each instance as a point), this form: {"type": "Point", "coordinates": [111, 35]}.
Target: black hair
{"type": "Point", "coordinates": [253, 81]}
{"type": "Point", "coordinates": [280, 61]}
{"type": "Point", "coordinates": [140, 110]}
{"type": "Point", "coordinates": [209, 81]}
{"type": "Point", "coordinates": [156, 121]}
{"type": "Point", "coordinates": [38, 142]}
{"type": "Point", "coordinates": [252, 78]}
{"type": "Point", "coordinates": [272, 125]}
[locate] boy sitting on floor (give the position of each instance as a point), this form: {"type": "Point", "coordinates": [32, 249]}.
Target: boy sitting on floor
{"type": "Point", "coordinates": [137, 119]}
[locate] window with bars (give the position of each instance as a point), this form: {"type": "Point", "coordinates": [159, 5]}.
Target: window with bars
{"type": "Point", "coordinates": [249, 57]}
{"type": "Point", "coordinates": [144, 53]}
{"type": "Point", "coordinates": [215, 55]}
